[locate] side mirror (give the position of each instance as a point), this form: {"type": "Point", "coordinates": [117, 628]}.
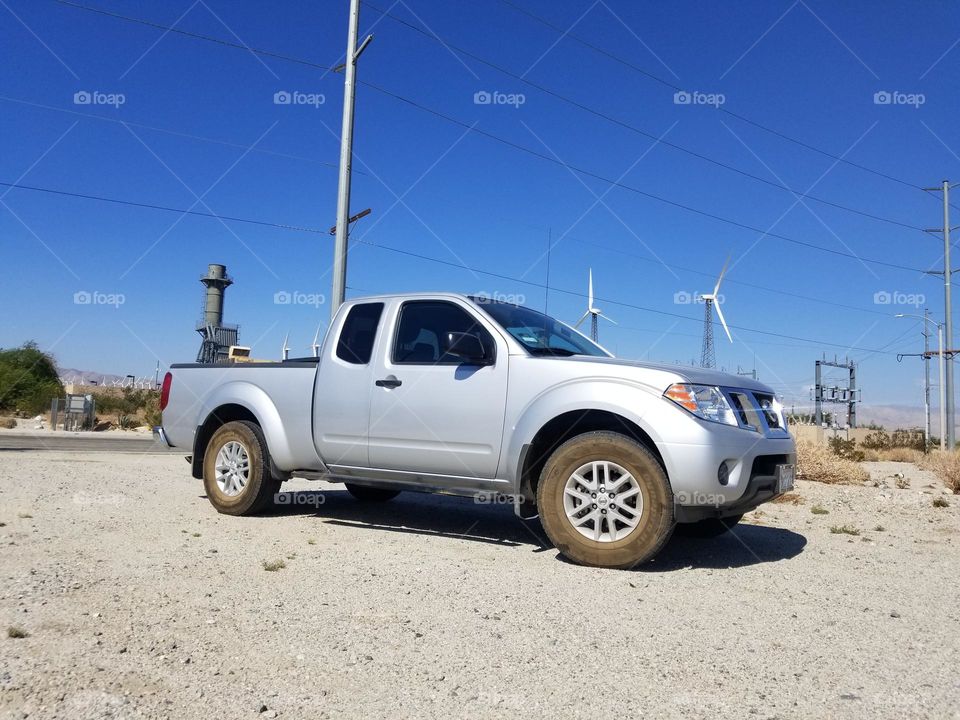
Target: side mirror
{"type": "Point", "coordinates": [466, 347]}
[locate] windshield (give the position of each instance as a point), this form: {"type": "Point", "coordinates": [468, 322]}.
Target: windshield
{"type": "Point", "coordinates": [539, 333]}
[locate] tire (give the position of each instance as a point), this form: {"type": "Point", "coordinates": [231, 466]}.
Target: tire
{"type": "Point", "coordinates": [256, 491]}
{"type": "Point", "coordinates": [708, 528]}
{"type": "Point", "coordinates": [625, 545]}
{"type": "Point", "coordinates": [365, 493]}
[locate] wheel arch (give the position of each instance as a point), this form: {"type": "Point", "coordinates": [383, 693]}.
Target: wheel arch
{"type": "Point", "coordinates": [241, 401]}
{"type": "Point", "coordinates": [569, 424]}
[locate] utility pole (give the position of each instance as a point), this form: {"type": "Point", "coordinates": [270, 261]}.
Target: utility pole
{"type": "Point", "coordinates": [950, 430]}
{"type": "Point", "coordinates": [926, 381]}
{"type": "Point", "coordinates": [346, 159]}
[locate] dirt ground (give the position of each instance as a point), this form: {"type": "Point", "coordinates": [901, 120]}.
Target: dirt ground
{"type": "Point", "coordinates": [139, 601]}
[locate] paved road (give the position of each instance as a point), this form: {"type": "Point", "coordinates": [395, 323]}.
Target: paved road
{"type": "Point", "coordinates": [91, 442]}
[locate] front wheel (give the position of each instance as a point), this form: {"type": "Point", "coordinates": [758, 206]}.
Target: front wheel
{"type": "Point", "coordinates": [605, 500]}
{"type": "Point", "coordinates": [236, 471]}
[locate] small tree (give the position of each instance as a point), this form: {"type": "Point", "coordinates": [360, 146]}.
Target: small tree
{"type": "Point", "coordinates": [28, 379]}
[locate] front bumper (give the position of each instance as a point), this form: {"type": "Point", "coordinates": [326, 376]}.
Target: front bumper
{"type": "Point", "coordinates": [759, 489]}
{"type": "Point", "coordinates": [750, 459]}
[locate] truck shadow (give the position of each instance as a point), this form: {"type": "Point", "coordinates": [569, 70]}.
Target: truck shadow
{"type": "Point", "coordinates": [495, 524]}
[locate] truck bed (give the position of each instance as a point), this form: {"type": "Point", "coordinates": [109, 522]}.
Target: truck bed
{"type": "Point", "coordinates": [278, 389]}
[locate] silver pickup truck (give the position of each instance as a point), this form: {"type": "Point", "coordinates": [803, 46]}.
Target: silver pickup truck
{"type": "Point", "coordinates": [466, 396]}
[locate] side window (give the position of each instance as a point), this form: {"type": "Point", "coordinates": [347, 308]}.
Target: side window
{"type": "Point", "coordinates": [422, 332]}
{"type": "Point", "coordinates": [358, 333]}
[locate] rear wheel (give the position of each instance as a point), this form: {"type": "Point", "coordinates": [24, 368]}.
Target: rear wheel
{"type": "Point", "coordinates": [708, 528]}
{"type": "Point", "coordinates": [366, 493]}
{"type": "Point", "coordinates": [604, 500]}
{"type": "Point", "coordinates": [236, 471]}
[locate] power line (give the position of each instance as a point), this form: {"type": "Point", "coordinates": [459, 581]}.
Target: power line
{"type": "Point", "coordinates": [196, 36]}
{"type": "Point", "coordinates": [642, 308]}
{"type": "Point", "coordinates": [633, 128]}
{"type": "Point", "coordinates": [164, 208]}
{"type": "Point", "coordinates": [168, 131]}
{"type": "Point", "coordinates": [510, 143]}
{"type": "Point", "coordinates": [638, 191]}
{"type": "Point", "coordinates": [420, 256]}
{"type": "Point", "coordinates": [669, 84]}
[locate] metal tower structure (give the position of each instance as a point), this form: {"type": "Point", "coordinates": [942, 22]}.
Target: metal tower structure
{"type": "Point", "coordinates": [836, 394]}
{"type": "Point", "coordinates": [593, 313]}
{"type": "Point", "coordinates": [217, 337]}
{"type": "Point", "coordinates": [708, 356]}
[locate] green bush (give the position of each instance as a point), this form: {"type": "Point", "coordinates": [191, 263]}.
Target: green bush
{"type": "Point", "coordinates": [28, 379]}
{"type": "Point", "coordinates": [846, 449]}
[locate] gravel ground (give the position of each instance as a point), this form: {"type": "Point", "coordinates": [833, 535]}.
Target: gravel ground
{"type": "Point", "coordinates": [139, 600]}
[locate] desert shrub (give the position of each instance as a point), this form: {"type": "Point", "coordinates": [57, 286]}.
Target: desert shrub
{"type": "Point", "coordinates": [8, 423]}
{"type": "Point", "coordinates": [912, 439]}
{"type": "Point", "coordinates": [845, 449]}
{"type": "Point", "coordinates": [945, 465]}
{"type": "Point", "coordinates": [28, 379]}
{"type": "Point", "coordinates": [130, 406]}
{"type": "Point", "coordinates": [877, 440]}
{"type": "Point", "coordinates": [820, 464]}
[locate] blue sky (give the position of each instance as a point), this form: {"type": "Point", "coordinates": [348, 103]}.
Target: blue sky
{"type": "Point", "coordinates": [192, 110]}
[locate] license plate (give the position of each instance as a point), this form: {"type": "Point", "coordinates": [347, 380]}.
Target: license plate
{"type": "Point", "coordinates": [785, 475]}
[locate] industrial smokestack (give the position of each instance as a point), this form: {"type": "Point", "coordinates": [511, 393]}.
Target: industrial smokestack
{"type": "Point", "coordinates": [216, 282]}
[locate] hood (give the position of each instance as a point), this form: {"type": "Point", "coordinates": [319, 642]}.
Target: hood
{"type": "Point", "coordinates": [685, 373]}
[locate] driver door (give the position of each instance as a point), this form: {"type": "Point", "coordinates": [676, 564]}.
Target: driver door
{"type": "Point", "coordinates": [431, 412]}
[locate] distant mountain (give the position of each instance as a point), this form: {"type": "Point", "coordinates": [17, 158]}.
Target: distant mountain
{"type": "Point", "coordinates": [894, 417]}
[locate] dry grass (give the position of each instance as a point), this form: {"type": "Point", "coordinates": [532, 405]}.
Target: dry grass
{"type": "Point", "coordinates": [945, 465]}
{"type": "Point", "coordinates": [8, 423]}
{"type": "Point", "coordinates": [897, 454]}
{"type": "Point", "coordinates": [844, 530]}
{"type": "Point", "coordinates": [818, 463]}
{"type": "Point", "coordinates": [273, 565]}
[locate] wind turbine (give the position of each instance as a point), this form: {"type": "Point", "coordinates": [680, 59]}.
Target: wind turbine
{"type": "Point", "coordinates": [285, 350]}
{"type": "Point", "coordinates": [708, 357]}
{"type": "Point", "coordinates": [592, 312]}
{"type": "Point", "coordinates": [315, 345]}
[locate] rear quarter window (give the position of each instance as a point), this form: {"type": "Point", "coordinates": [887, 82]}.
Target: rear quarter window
{"type": "Point", "coordinates": [355, 344]}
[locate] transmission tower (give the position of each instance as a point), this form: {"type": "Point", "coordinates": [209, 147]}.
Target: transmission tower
{"type": "Point", "coordinates": [708, 357]}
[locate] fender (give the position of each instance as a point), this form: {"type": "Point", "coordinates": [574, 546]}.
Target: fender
{"type": "Point", "coordinates": [259, 403]}
{"type": "Point", "coordinates": [637, 402]}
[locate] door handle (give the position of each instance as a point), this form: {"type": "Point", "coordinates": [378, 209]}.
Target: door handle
{"type": "Point", "coordinates": [389, 382]}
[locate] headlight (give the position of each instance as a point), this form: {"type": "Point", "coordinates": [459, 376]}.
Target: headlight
{"type": "Point", "coordinates": [703, 401]}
